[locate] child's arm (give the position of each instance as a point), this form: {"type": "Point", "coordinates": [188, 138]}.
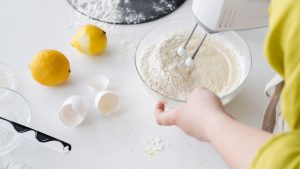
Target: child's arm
{"type": "Point", "coordinates": [204, 118]}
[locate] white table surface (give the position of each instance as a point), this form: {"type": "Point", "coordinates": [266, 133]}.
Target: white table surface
{"type": "Point", "coordinates": [115, 142]}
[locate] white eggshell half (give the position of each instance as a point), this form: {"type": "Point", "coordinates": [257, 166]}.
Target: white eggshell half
{"type": "Point", "coordinates": [99, 82]}
{"type": "Point", "coordinates": [107, 102]}
{"type": "Point", "coordinates": [73, 111]}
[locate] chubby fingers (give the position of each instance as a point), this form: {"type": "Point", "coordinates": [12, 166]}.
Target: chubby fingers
{"type": "Point", "coordinates": [165, 118]}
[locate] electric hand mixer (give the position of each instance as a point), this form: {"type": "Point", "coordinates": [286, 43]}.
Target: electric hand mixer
{"type": "Point", "coordinates": [225, 15]}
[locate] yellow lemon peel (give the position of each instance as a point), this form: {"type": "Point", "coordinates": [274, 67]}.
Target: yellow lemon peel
{"type": "Point", "coordinates": [90, 40]}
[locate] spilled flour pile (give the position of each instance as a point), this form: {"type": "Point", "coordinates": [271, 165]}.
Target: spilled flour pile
{"type": "Point", "coordinates": [155, 144]}
{"type": "Point", "coordinates": [216, 67]}
{"type": "Point", "coordinates": [106, 10]}
{"type": "Point", "coordinates": [124, 11]}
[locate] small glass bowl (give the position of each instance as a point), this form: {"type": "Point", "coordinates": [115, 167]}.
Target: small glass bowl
{"type": "Point", "coordinates": [14, 107]}
{"type": "Point", "coordinates": [7, 78]}
{"type": "Point", "coordinates": [232, 39]}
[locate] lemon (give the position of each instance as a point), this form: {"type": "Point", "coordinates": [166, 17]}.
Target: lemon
{"type": "Point", "coordinates": [90, 40]}
{"type": "Point", "coordinates": [50, 67]}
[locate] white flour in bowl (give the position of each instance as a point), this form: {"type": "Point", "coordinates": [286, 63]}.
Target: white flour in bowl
{"type": "Point", "coordinates": [216, 67]}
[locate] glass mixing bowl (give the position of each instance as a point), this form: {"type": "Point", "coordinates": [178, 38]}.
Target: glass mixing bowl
{"type": "Point", "coordinates": [232, 39]}
{"type": "Point", "coordinates": [14, 107]}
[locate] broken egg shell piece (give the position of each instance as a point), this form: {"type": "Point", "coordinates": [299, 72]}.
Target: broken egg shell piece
{"type": "Point", "coordinates": [73, 111]}
{"type": "Point", "coordinates": [107, 102]}
{"type": "Point", "coordinates": [99, 82]}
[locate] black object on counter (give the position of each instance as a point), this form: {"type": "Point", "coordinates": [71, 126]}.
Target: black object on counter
{"type": "Point", "coordinates": [36, 136]}
{"type": "Point", "coordinates": [125, 11]}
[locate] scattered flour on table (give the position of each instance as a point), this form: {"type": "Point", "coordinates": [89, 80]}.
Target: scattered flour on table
{"type": "Point", "coordinates": [216, 66]}
{"type": "Point", "coordinates": [155, 144]}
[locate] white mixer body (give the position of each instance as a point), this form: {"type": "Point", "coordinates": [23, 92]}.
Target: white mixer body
{"type": "Point", "coordinates": [226, 15]}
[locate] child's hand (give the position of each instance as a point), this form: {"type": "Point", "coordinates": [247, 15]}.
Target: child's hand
{"type": "Point", "coordinates": [194, 116]}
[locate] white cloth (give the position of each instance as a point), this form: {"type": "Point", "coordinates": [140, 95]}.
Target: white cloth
{"type": "Point", "coordinates": [280, 125]}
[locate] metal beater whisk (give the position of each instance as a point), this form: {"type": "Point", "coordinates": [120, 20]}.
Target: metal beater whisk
{"type": "Point", "coordinates": [181, 51]}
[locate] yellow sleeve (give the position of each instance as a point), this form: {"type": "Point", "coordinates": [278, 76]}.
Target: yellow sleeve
{"type": "Point", "coordinates": [282, 49]}
{"type": "Point", "coordinates": [281, 152]}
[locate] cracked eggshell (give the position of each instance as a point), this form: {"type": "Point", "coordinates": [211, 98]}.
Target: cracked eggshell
{"type": "Point", "coordinates": [99, 82]}
{"type": "Point", "coordinates": [73, 111]}
{"type": "Point", "coordinates": [107, 102]}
